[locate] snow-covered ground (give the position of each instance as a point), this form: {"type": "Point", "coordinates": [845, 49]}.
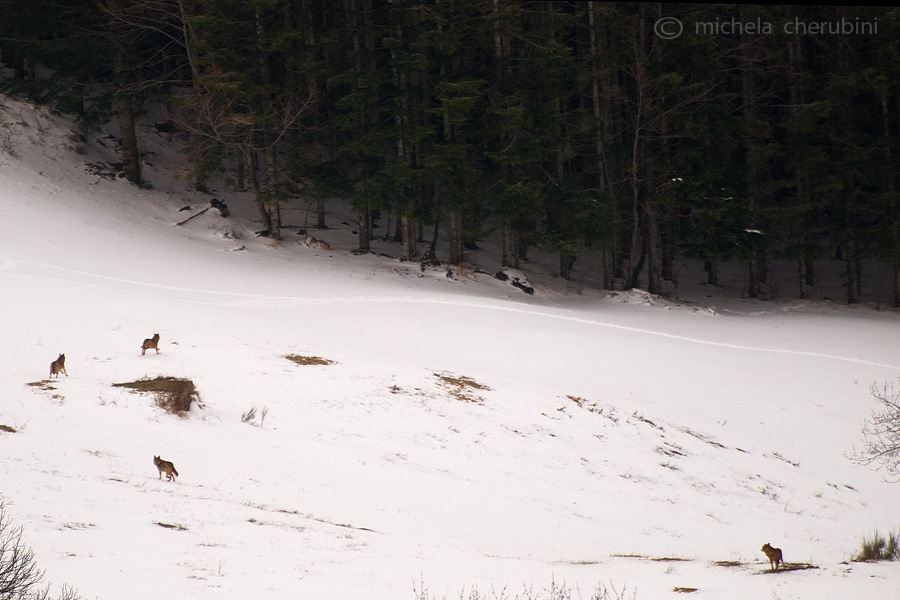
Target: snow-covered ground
{"type": "Point", "coordinates": [467, 436]}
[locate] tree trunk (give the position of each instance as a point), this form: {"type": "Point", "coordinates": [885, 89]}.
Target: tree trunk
{"type": "Point", "coordinates": [131, 155]}
{"type": "Point", "coordinates": [801, 179]}
{"type": "Point", "coordinates": [896, 282]}
{"type": "Point", "coordinates": [398, 229]}
{"type": "Point", "coordinates": [320, 214]}
{"type": "Point", "coordinates": [668, 257]}
{"type": "Point", "coordinates": [654, 252]}
{"type": "Point", "coordinates": [753, 277]}
{"type": "Point", "coordinates": [712, 272]}
{"type": "Point", "coordinates": [754, 160]}
{"type": "Point", "coordinates": [853, 276]}
{"type": "Point", "coordinates": [436, 230]}
{"type": "Point", "coordinates": [240, 174]}
{"type": "Point", "coordinates": [566, 260]}
{"type": "Point", "coordinates": [258, 191]}
{"type": "Point", "coordinates": [608, 259]}
{"type": "Point", "coordinates": [364, 227]}
{"type": "Point", "coordinates": [805, 270]}
{"type": "Point", "coordinates": [510, 244]}
{"type": "Point", "coordinates": [408, 228]}
{"type": "Point", "coordinates": [273, 199]}
{"type": "Point", "coordinates": [635, 257]}
{"type": "Point", "coordinates": [601, 113]}
{"type": "Point", "coordinates": [456, 237]}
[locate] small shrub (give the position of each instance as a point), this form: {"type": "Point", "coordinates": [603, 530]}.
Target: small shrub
{"type": "Point", "coordinates": [250, 416]}
{"type": "Point", "coordinates": [879, 548]}
{"type": "Point", "coordinates": [308, 360]}
{"type": "Point", "coordinates": [173, 394]}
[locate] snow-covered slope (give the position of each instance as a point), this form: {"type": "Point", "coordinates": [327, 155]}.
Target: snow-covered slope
{"type": "Point", "coordinates": [466, 435]}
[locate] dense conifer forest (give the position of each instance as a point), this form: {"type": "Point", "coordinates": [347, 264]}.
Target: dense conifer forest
{"type": "Point", "coordinates": [644, 132]}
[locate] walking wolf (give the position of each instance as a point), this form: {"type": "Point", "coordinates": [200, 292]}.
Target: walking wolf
{"type": "Point", "coordinates": [58, 365]}
{"type": "Point", "coordinates": [166, 467]}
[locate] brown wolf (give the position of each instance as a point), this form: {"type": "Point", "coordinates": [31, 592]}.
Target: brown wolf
{"type": "Point", "coordinates": [166, 467]}
{"type": "Point", "coordinates": [774, 555]}
{"type": "Point", "coordinates": [58, 365]}
{"type": "Point", "coordinates": [150, 343]}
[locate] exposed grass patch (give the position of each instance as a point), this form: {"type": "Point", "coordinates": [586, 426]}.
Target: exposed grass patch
{"type": "Point", "coordinates": [171, 526]}
{"type": "Point", "coordinates": [7, 429]}
{"type": "Point", "coordinates": [788, 567]}
{"type": "Point", "coordinates": [577, 400]}
{"type": "Point", "coordinates": [684, 590]}
{"type": "Point", "coordinates": [462, 388]}
{"type": "Point", "coordinates": [879, 548]}
{"type": "Point", "coordinates": [173, 394]}
{"type": "Point", "coordinates": [727, 563]}
{"type": "Point", "coordinates": [308, 360]}
{"type": "Point", "coordinates": [43, 384]}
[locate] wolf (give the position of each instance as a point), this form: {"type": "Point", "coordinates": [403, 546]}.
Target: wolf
{"type": "Point", "coordinates": [166, 467]}
{"type": "Point", "coordinates": [58, 365]}
{"type": "Point", "coordinates": [150, 343]}
{"type": "Point", "coordinates": [774, 555]}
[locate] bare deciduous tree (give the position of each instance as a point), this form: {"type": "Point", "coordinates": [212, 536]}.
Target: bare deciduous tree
{"type": "Point", "coordinates": [18, 571]}
{"type": "Point", "coordinates": [20, 578]}
{"type": "Point", "coordinates": [881, 433]}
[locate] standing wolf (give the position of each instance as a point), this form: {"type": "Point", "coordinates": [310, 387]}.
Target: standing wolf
{"type": "Point", "coordinates": [774, 556]}
{"type": "Point", "coordinates": [58, 365]}
{"type": "Point", "coordinates": [166, 467]}
{"type": "Point", "coordinates": [150, 343]}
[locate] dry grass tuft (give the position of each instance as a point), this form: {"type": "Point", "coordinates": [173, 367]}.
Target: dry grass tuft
{"type": "Point", "coordinates": [308, 360]}
{"type": "Point", "coordinates": [462, 388]}
{"type": "Point", "coordinates": [173, 394]}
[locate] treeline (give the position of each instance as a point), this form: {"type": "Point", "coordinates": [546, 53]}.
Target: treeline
{"type": "Point", "coordinates": [643, 131]}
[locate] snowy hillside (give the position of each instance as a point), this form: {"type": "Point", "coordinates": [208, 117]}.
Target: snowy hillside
{"type": "Point", "coordinates": [465, 435]}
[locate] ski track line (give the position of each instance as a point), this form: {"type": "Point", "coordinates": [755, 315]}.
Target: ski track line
{"type": "Point", "coordinates": [264, 301]}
